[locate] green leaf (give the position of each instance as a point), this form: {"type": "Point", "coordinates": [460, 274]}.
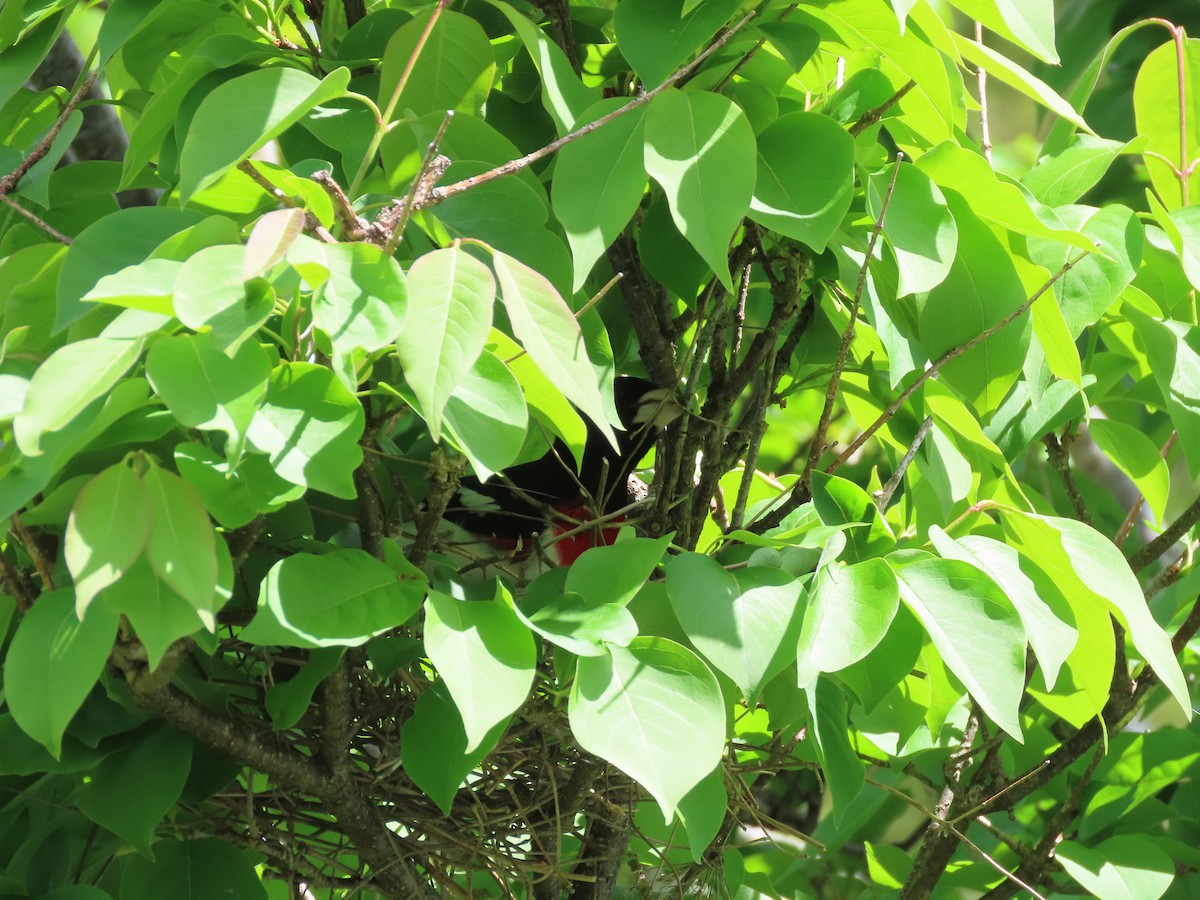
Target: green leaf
{"type": "Point", "coordinates": [270, 239]}
{"type": "Point", "coordinates": [107, 531]}
{"type": "Point", "coordinates": [982, 288]}
{"type": "Point", "coordinates": [547, 328]}
{"type": "Point", "coordinates": [197, 867]}
{"type": "Point", "coordinates": [309, 426]}
{"type": "Point", "coordinates": [805, 178]}
{"type": "Point", "coordinates": [1158, 119]}
{"type": "Point", "coordinates": [182, 543]}
{"type": "Point", "coordinates": [614, 574]}
{"type": "Point", "coordinates": [1175, 363]}
{"type": "Point", "coordinates": [579, 625]}
{"type": "Point", "coordinates": [1124, 867]}
{"type": "Point", "coordinates": [653, 710]}
{"type": "Point", "coordinates": [454, 293]}
{"type": "Point", "coordinates": [287, 701]}
{"type": "Point", "coordinates": [485, 655]}
{"type": "Point", "coordinates": [53, 662]}
{"type": "Point", "coordinates": [1092, 572]}
{"type": "Point", "coordinates": [234, 497]}
{"type": "Point", "coordinates": [744, 622]}
{"type": "Point", "coordinates": [975, 629]}
{"type": "Point", "coordinates": [1136, 456]}
{"type": "Point", "coordinates": [992, 199]}
{"type": "Point", "coordinates": [564, 96]}
{"type": "Point", "coordinates": [1068, 175]}
{"type": "Point", "coordinates": [702, 811]}
{"type": "Point", "coordinates": [1027, 23]}
{"type": "Point", "coordinates": [844, 771]}
{"type": "Point", "coordinates": [453, 70]}
{"type": "Point", "coordinates": [433, 745]}
{"type": "Point", "coordinates": [929, 107]}
{"type": "Point", "coordinates": [598, 184]}
{"type": "Point", "coordinates": [244, 114]}
{"type": "Point", "coordinates": [873, 679]}
{"type": "Point", "coordinates": [1047, 618]}
{"type": "Point", "coordinates": [211, 294]}
{"type": "Point", "coordinates": [1003, 69]}
{"type": "Point", "coordinates": [918, 225]}
{"type": "Point", "coordinates": [1094, 283]}
{"type": "Point", "coordinates": [840, 502]}
{"type": "Point", "coordinates": [107, 246]}
{"type": "Point", "coordinates": [701, 150]}
{"type": "Point", "coordinates": [338, 599]}
{"type": "Point", "coordinates": [147, 285]}
{"type": "Point", "coordinates": [850, 611]}
{"type": "Point", "coordinates": [487, 416]}
{"type": "Point", "coordinates": [205, 388]}
{"type": "Point", "coordinates": [158, 614]}
{"type": "Point", "coordinates": [1137, 767]}
{"type": "Point", "coordinates": [509, 215]}
{"type": "Point", "coordinates": [656, 36]}
{"type": "Point", "coordinates": [361, 304]}
{"type": "Point", "coordinates": [131, 791]}
{"type": "Point", "coordinates": [73, 377]}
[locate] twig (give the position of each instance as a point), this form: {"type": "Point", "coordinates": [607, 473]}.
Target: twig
{"type": "Point", "coordinates": [873, 115]}
{"type": "Point", "coordinates": [883, 497]}
{"type": "Point", "coordinates": [985, 133]}
{"type": "Point", "coordinates": [385, 118]}
{"type": "Point", "coordinates": [29, 542]}
{"type": "Point", "coordinates": [422, 184]}
{"type": "Point", "coordinates": [15, 585]}
{"type": "Point", "coordinates": [311, 222]}
{"type": "Point", "coordinates": [1167, 539]}
{"type": "Point", "coordinates": [1060, 460]}
{"type": "Point", "coordinates": [36, 220]}
{"type": "Point", "coordinates": [513, 166]}
{"type": "Point", "coordinates": [9, 182]}
{"type": "Point", "coordinates": [835, 381]}
{"type": "Point", "coordinates": [939, 821]}
{"type": "Point", "coordinates": [1136, 509]}
{"type": "Point", "coordinates": [950, 354]}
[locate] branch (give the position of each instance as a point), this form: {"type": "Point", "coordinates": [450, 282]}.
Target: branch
{"type": "Point", "coordinates": [513, 166]}
{"type": "Point", "coordinates": [883, 497]}
{"type": "Point", "coordinates": [871, 116]}
{"type": "Point", "coordinates": [9, 182]}
{"type": "Point", "coordinates": [950, 354]}
{"type": "Point", "coordinates": [36, 220]}
{"type": "Point", "coordinates": [835, 381]}
{"type": "Point", "coordinates": [311, 223]}
{"type": "Point", "coordinates": [1167, 539]}
{"type": "Point", "coordinates": [1060, 460]}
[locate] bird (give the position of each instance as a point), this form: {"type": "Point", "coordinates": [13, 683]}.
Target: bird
{"type": "Point", "coordinates": [544, 505]}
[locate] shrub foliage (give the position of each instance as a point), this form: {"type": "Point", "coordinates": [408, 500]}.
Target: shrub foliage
{"type": "Point", "coordinates": [911, 604]}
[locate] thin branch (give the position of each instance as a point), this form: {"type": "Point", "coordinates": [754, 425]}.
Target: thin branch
{"type": "Point", "coordinates": [427, 175]}
{"type": "Point", "coordinates": [871, 116]}
{"type": "Point", "coordinates": [1135, 510]}
{"type": "Point", "coordinates": [950, 354]}
{"type": "Point", "coordinates": [516, 165]}
{"type": "Point", "coordinates": [311, 223]}
{"type": "Point", "coordinates": [985, 132]}
{"type": "Point", "coordinates": [36, 220]}
{"type": "Point", "coordinates": [1060, 460]}
{"type": "Point", "coordinates": [883, 497]}
{"type": "Point", "coordinates": [1167, 539]}
{"type": "Point", "coordinates": [9, 182]}
{"type": "Point", "coordinates": [29, 542]}
{"type": "Point", "coordinates": [835, 381]}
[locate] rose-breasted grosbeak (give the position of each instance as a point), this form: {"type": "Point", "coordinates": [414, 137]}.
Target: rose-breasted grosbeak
{"type": "Point", "coordinates": [546, 497]}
